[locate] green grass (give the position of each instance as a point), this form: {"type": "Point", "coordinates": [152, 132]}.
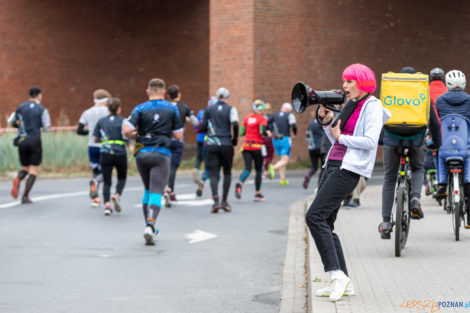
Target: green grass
{"type": "Point", "coordinates": [63, 152]}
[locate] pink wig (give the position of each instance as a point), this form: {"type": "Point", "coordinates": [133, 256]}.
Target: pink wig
{"type": "Point", "coordinates": [363, 75]}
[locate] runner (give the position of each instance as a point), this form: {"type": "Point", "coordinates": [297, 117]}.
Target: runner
{"type": "Point", "coordinates": [29, 118]}
{"type": "Point", "coordinates": [268, 143]}
{"type": "Point", "coordinates": [281, 124]}
{"type": "Point", "coordinates": [89, 119]}
{"type": "Point", "coordinates": [217, 122]}
{"type": "Point", "coordinates": [177, 146]}
{"type": "Point", "coordinates": [254, 126]}
{"type": "Point", "coordinates": [314, 138]}
{"type": "Point", "coordinates": [152, 124]}
{"type": "Point", "coordinates": [112, 154]}
{"type": "Point", "coordinates": [201, 152]}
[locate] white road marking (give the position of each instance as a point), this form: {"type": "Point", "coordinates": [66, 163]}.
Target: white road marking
{"type": "Point", "coordinates": [56, 196]}
{"type": "Point", "coordinates": [199, 235]}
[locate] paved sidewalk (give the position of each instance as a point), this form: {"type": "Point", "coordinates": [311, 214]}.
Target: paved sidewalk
{"type": "Point", "coordinates": [433, 266]}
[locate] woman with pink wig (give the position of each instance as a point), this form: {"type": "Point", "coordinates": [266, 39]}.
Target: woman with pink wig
{"type": "Point", "coordinates": [354, 137]}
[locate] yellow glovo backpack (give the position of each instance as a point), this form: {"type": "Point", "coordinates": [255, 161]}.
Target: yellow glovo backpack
{"type": "Point", "coordinates": [407, 98]}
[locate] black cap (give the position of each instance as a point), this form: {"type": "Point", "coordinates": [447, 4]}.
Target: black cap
{"type": "Point", "coordinates": [408, 69]}
{"type": "Point", "coordinates": [34, 92]}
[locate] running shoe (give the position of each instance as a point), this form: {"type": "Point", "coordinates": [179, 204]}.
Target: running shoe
{"type": "Point", "coordinates": [325, 292]}
{"type": "Point", "coordinates": [415, 209]}
{"type": "Point", "coordinates": [93, 189]}
{"type": "Point", "coordinates": [271, 171]}
{"type": "Point", "coordinates": [284, 182]}
{"type": "Point", "coordinates": [338, 287]}
{"type": "Point", "coordinates": [200, 188]}
{"type": "Point", "coordinates": [149, 236]}
{"type": "Point", "coordinates": [259, 197]}
{"type": "Point", "coordinates": [116, 202]}
{"type": "Point", "coordinates": [26, 200]}
{"type": "Point", "coordinates": [354, 203]}
{"type": "Point", "coordinates": [226, 207]}
{"type": "Point", "coordinates": [166, 198]}
{"type": "Point", "coordinates": [215, 207]}
{"type": "Point", "coordinates": [238, 190]}
{"type": "Point", "coordinates": [16, 186]}
{"type": "Point", "coordinates": [107, 210]}
{"type": "Point", "coordinates": [306, 181]}
{"type": "Point", "coordinates": [172, 196]}
{"type": "Point", "coordinates": [96, 202]}
{"type": "Point", "coordinates": [385, 228]}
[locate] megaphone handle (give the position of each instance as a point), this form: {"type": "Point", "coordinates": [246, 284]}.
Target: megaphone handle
{"type": "Point", "coordinates": [319, 120]}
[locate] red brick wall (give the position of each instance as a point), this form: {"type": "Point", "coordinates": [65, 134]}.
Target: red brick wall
{"type": "Point", "coordinates": [231, 50]}
{"type": "Point", "coordinates": [70, 48]}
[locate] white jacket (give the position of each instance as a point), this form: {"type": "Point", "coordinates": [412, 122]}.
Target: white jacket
{"type": "Point", "coordinates": [362, 145]}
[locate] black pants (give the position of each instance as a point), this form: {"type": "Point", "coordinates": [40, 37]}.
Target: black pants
{"type": "Point", "coordinates": [176, 155]}
{"type": "Point", "coordinates": [108, 162]}
{"type": "Point", "coordinates": [217, 157]}
{"type": "Point", "coordinates": [315, 156]}
{"type": "Point", "coordinates": [250, 156]}
{"type": "Point", "coordinates": [334, 186]}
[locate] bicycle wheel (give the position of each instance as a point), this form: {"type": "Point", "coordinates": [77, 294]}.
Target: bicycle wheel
{"type": "Point", "coordinates": [454, 204]}
{"type": "Point", "coordinates": [402, 220]}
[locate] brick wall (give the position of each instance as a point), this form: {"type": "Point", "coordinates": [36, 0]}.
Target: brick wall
{"type": "Point", "coordinates": [70, 48]}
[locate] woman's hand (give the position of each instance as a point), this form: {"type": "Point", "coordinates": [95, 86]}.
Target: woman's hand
{"type": "Point", "coordinates": [324, 112]}
{"type": "Point", "coordinates": [336, 131]}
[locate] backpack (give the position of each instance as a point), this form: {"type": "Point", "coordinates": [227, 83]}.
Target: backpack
{"type": "Point", "coordinates": [407, 98]}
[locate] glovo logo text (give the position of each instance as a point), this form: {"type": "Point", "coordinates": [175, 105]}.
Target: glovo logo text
{"type": "Point", "coordinates": [389, 100]}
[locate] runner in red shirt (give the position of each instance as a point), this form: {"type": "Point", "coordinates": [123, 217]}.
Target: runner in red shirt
{"type": "Point", "coordinates": [253, 128]}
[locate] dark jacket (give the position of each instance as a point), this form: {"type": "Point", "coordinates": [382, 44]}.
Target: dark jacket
{"type": "Point", "coordinates": [454, 102]}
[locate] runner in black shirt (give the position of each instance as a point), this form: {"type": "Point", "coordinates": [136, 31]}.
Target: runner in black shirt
{"type": "Point", "coordinates": [177, 146]}
{"type": "Point", "coordinates": [152, 124]}
{"type": "Point", "coordinates": [217, 122]}
{"type": "Point", "coordinates": [108, 132]}
{"type": "Point", "coordinates": [29, 118]}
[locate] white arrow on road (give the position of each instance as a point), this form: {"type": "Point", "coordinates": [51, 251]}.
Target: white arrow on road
{"type": "Point", "coordinates": [199, 236]}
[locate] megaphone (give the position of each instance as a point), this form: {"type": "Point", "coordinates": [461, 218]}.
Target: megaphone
{"type": "Point", "coordinates": [303, 96]}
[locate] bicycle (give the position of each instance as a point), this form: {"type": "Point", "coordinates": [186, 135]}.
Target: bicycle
{"type": "Point", "coordinates": [452, 154]}
{"type": "Point", "coordinates": [455, 200]}
{"type": "Point", "coordinates": [401, 207]}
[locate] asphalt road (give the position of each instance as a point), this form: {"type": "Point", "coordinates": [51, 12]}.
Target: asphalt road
{"type": "Point", "coordinates": [59, 254]}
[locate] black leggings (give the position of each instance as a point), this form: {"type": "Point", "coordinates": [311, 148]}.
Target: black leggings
{"type": "Point", "coordinates": [199, 155]}
{"type": "Point", "coordinates": [315, 156]}
{"type": "Point", "coordinates": [248, 157]}
{"type": "Point", "coordinates": [217, 157]}
{"type": "Point", "coordinates": [108, 162]}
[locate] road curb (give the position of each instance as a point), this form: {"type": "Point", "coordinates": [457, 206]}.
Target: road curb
{"type": "Point", "coordinates": [316, 276]}
{"type": "Point", "coordinates": [293, 293]}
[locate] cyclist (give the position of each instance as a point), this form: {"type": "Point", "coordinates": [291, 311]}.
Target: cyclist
{"type": "Point", "coordinates": [254, 126]}
{"type": "Point", "coordinates": [391, 162]}
{"type": "Point", "coordinates": [437, 87]}
{"type": "Point", "coordinates": [89, 118]}
{"type": "Point", "coordinates": [281, 124]}
{"type": "Point", "coordinates": [29, 118]}
{"type": "Point", "coordinates": [218, 121]}
{"type": "Point", "coordinates": [152, 124]}
{"type": "Point", "coordinates": [355, 137]}
{"type": "Point", "coordinates": [454, 101]}
{"type": "Point", "coordinates": [108, 132]}
{"type": "Point", "coordinates": [177, 146]}
{"type": "Point", "coordinates": [314, 137]}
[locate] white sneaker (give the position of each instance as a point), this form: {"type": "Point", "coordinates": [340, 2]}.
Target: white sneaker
{"type": "Point", "coordinates": [338, 287]}
{"type": "Point", "coordinates": [325, 292]}
{"type": "Point", "coordinates": [108, 211]}
{"type": "Point", "coordinates": [149, 236]}
{"type": "Point", "coordinates": [117, 203]}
